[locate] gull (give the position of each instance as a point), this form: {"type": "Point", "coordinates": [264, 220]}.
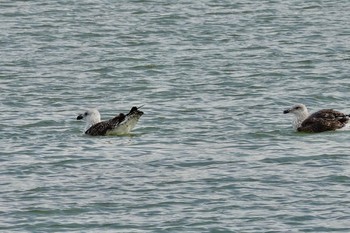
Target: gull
{"type": "Point", "coordinates": [320, 121]}
{"type": "Point", "coordinates": [119, 125]}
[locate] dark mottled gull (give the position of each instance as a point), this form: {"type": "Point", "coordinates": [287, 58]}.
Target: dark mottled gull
{"type": "Point", "coordinates": [119, 125]}
{"type": "Point", "coordinates": [320, 121]}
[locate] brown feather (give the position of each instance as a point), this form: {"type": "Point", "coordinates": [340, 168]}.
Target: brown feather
{"type": "Point", "coordinates": [102, 128]}
{"type": "Point", "coordinates": [324, 120]}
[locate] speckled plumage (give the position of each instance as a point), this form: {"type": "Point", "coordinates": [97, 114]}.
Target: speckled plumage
{"type": "Point", "coordinates": [103, 127]}
{"type": "Point", "coordinates": [324, 120]}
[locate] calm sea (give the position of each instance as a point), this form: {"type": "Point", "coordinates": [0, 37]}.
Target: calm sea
{"type": "Point", "coordinates": [213, 151]}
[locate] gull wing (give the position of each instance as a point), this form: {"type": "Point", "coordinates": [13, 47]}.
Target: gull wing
{"type": "Point", "coordinates": [102, 128]}
{"type": "Point", "coordinates": [324, 120]}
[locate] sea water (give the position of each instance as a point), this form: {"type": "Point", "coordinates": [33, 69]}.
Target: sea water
{"type": "Point", "coordinates": [213, 151]}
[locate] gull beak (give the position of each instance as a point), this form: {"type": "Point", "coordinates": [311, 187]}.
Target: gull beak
{"type": "Point", "coordinates": [80, 117]}
{"type": "Point", "coordinates": [286, 111]}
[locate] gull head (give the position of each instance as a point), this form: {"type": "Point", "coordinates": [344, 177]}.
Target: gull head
{"type": "Point", "coordinates": [300, 112]}
{"type": "Point", "coordinates": [297, 110]}
{"type": "Point", "coordinates": [91, 117]}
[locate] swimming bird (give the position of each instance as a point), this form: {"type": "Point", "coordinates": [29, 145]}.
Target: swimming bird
{"type": "Point", "coordinates": [119, 125]}
{"type": "Point", "coordinates": [320, 121]}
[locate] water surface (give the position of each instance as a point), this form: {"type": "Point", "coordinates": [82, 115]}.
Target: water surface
{"type": "Point", "coordinates": [213, 152]}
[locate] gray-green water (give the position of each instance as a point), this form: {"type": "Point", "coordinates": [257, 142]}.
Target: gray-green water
{"type": "Point", "coordinates": [213, 152]}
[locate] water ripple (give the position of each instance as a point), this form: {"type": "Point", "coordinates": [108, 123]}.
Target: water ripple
{"type": "Point", "coordinates": [213, 151]}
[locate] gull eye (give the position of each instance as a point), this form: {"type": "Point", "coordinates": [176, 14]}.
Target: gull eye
{"type": "Point", "coordinates": [297, 107]}
{"type": "Point", "coordinates": [85, 114]}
